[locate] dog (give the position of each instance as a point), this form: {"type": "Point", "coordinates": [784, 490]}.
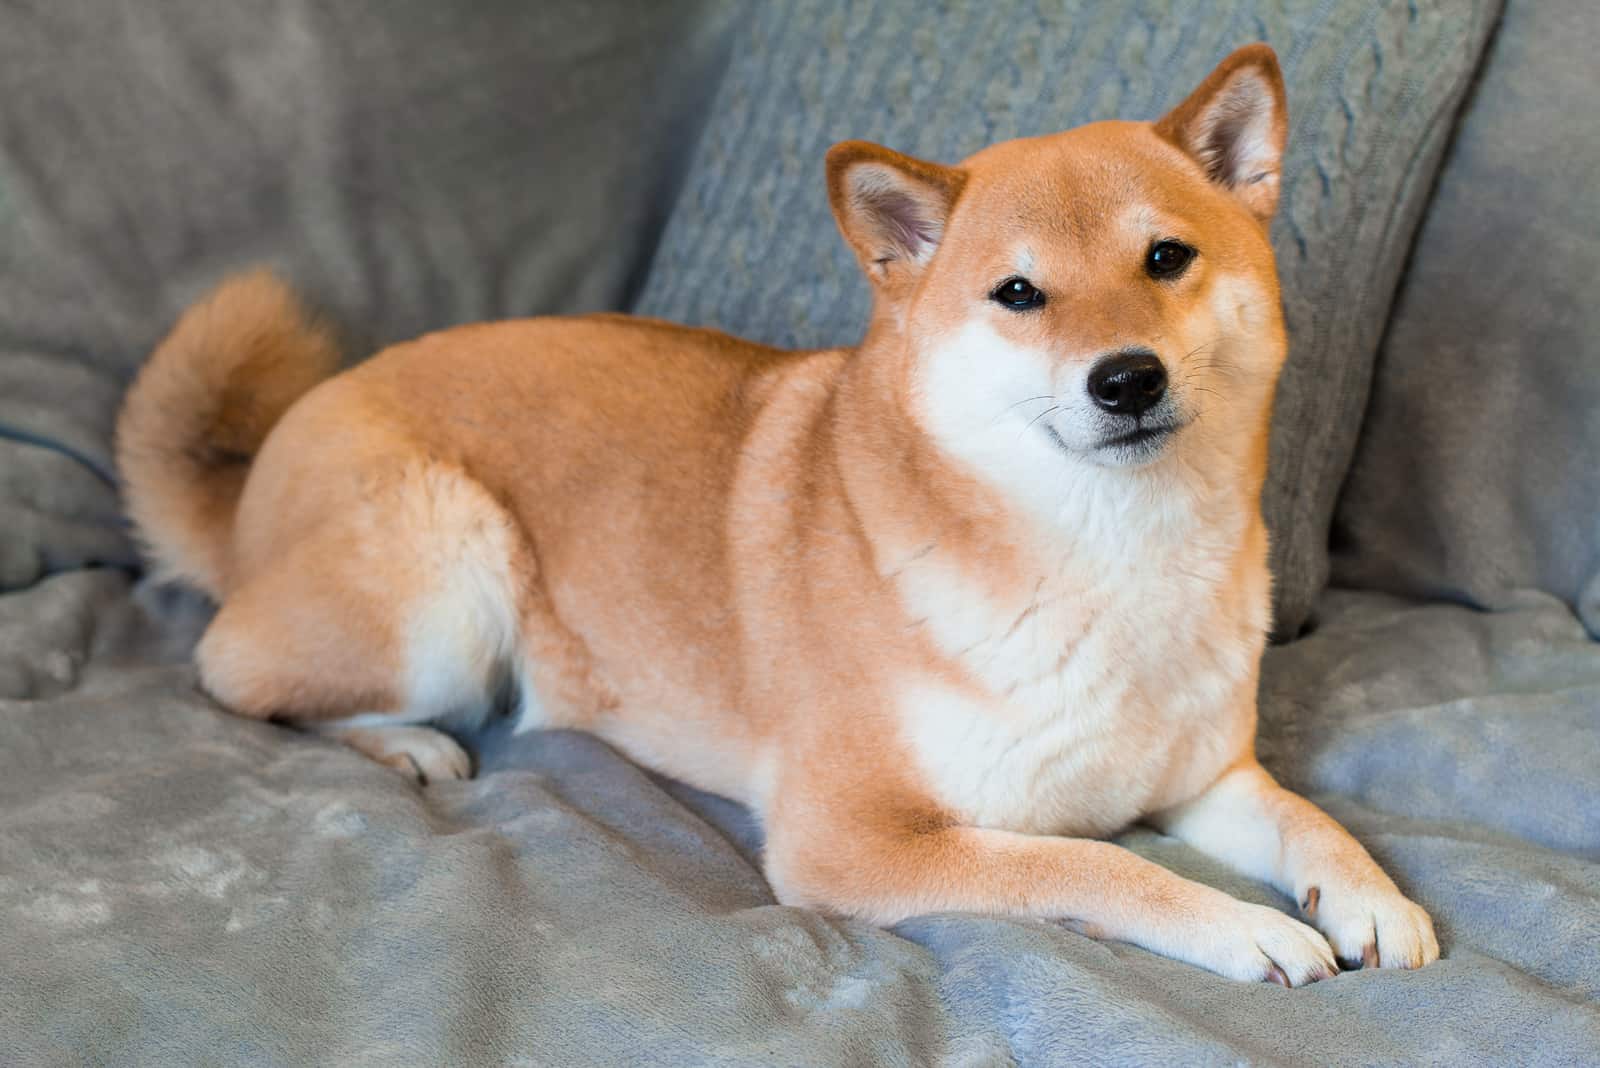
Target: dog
{"type": "Point", "coordinates": [945, 609]}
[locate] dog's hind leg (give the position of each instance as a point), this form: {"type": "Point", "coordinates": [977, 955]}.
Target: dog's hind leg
{"type": "Point", "coordinates": [400, 611]}
{"type": "Point", "coordinates": [422, 753]}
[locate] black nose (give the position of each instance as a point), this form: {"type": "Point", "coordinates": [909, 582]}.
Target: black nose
{"type": "Point", "coordinates": [1128, 383]}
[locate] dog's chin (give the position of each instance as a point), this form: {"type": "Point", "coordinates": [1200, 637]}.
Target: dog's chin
{"type": "Point", "coordinates": [1133, 448]}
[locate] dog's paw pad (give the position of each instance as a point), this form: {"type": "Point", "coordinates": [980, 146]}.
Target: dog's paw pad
{"type": "Point", "coordinates": [1312, 900]}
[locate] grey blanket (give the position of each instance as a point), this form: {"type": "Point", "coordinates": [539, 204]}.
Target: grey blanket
{"type": "Point", "coordinates": [181, 886]}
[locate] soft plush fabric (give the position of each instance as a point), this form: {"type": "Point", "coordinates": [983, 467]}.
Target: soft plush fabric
{"type": "Point", "coordinates": [1372, 91]}
{"type": "Point", "coordinates": [1478, 473]}
{"type": "Point", "coordinates": [409, 163]}
{"type": "Point", "coordinates": [183, 886]}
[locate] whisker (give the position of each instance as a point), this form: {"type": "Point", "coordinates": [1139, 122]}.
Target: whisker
{"type": "Point", "coordinates": [1008, 409]}
{"type": "Point", "coordinates": [1026, 400]}
{"type": "Point", "coordinates": [1042, 414]}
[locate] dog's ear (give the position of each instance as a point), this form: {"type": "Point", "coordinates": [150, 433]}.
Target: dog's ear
{"type": "Point", "coordinates": [891, 208]}
{"type": "Point", "coordinates": [1235, 126]}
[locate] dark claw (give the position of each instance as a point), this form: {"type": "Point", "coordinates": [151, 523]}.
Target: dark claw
{"type": "Point", "coordinates": [1349, 965]}
{"type": "Point", "coordinates": [1275, 974]}
{"type": "Point", "coordinates": [1313, 899]}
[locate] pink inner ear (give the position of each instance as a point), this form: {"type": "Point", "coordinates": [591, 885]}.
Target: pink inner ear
{"type": "Point", "coordinates": [1235, 134]}
{"type": "Point", "coordinates": [904, 221]}
{"type": "Point", "coordinates": [903, 225]}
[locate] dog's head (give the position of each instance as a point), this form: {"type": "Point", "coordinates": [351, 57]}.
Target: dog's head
{"type": "Point", "coordinates": [1105, 296]}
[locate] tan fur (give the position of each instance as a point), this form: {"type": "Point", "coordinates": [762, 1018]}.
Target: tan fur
{"type": "Point", "coordinates": [202, 407]}
{"type": "Point", "coordinates": [808, 580]}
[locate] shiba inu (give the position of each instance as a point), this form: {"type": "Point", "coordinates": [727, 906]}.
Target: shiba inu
{"type": "Point", "coordinates": [945, 609]}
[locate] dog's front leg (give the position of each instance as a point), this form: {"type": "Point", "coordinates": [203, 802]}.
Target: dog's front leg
{"type": "Point", "coordinates": [1249, 822]}
{"type": "Point", "coordinates": [886, 874]}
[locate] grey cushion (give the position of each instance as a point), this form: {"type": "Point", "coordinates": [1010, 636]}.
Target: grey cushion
{"type": "Point", "coordinates": [1373, 88]}
{"type": "Point", "coordinates": [409, 163]}
{"type": "Point", "coordinates": [1479, 468]}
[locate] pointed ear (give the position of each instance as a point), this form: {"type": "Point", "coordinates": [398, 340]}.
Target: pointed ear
{"type": "Point", "coordinates": [891, 208]}
{"type": "Point", "coordinates": [1235, 126]}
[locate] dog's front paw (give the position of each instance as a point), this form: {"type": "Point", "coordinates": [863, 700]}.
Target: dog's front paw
{"type": "Point", "coordinates": [1371, 924]}
{"type": "Point", "coordinates": [1258, 944]}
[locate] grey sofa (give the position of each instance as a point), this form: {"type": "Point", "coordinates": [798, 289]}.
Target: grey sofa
{"type": "Point", "coordinates": [181, 886]}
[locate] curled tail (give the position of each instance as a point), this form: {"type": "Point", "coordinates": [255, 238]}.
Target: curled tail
{"type": "Point", "coordinates": [200, 409]}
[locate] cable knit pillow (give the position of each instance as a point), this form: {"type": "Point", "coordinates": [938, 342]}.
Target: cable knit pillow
{"type": "Point", "coordinates": [1373, 90]}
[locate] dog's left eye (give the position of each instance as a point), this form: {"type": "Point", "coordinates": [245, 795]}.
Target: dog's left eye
{"type": "Point", "coordinates": [1167, 259]}
{"type": "Point", "coordinates": [1017, 293]}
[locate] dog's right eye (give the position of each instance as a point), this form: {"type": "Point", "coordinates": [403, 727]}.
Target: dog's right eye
{"type": "Point", "coordinates": [1018, 294]}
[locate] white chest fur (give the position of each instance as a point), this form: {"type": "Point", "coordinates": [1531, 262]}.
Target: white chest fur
{"type": "Point", "coordinates": [1124, 684]}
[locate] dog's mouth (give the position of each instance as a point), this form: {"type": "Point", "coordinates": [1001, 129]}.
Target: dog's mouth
{"type": "Point", "coordinates": [1141, 442]}
{"type": "Point", "coordinates": [1141, 437]}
